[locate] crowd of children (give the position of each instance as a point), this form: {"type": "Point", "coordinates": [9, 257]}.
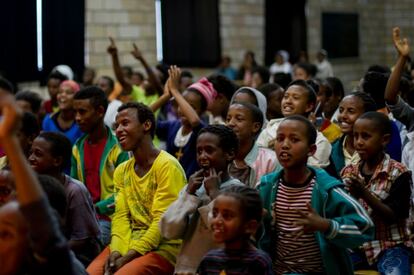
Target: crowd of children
{"type": "Point", "coordinates": [164, 175]}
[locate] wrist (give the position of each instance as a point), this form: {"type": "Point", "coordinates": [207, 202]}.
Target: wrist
{"type": "Point", "coordinates": [324, 225]}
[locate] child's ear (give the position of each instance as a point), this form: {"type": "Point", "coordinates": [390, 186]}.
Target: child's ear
{"type": "Point", "coordinates": [58, 162]}
{"type": "Point", "coordinates": [230, 155]}
{"type": "Point", "coordinates": [251, 227]}
{"type": "Point", "coordinates": [386, 139]}
{"type": "Point", "coordinates": [310, 106]}
{"type": "Point", "coordinates": [256, 127]}
{"type": "Point", "coordinates": [312, 150]}
{"type": "Point", "coordinates": [101, 110]}
{"type": "Point", "coordinates": [147, 125]}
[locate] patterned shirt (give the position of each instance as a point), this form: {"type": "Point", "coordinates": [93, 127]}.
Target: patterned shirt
{"type": "Point", "coordinates": [294, 254]}
{"type": "Point", "coordinates": [390, 183]}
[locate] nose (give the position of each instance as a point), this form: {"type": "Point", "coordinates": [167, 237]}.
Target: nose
{"type": "Point", "coordinates": [285, 144]}
{"type": "Point", "coordinates": [230, 123]}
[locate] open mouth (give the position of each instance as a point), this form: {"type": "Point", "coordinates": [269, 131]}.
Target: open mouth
{"type": "Point", "coordinates": [284, 156]}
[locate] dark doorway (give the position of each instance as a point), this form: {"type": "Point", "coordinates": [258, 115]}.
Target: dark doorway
{"type": "Point", "coordinates": [285, 28]}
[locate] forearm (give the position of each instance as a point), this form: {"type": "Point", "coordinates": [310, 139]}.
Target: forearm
{"type": "Point", "coordinates": [118, 73]}
{"type": "Point", "coordinates": [378, 206]}
{"type": "Point", "coordinates": [186, 108]}
{"type": "Point", "coordinates": [152, 78]}
{"type": "Point", "coordinates": [27, 186]}
{"type": "Point", "coordinates": [161, 101]}
{"type": "Point", "coordinates": [393, 84]}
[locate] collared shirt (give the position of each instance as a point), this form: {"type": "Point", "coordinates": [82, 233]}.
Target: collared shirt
{"type": "Point", "coordinates": [390, 183]}
{"type": "Point", "coordinates": [350, 159]}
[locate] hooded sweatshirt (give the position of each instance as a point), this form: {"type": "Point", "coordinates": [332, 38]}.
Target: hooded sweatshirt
{"type": "Point", "coordinates": [260, 98]}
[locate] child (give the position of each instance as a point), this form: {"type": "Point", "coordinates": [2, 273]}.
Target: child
{"type": "Point", "coordinates": [274, 94]}
{"type": "Point", "coordinates": [187, 217]}
{"type": "Point", "coordinates": [236, 214]}
{"type": "Point", "coordinates": [96, 154]}
{"type": "Point", "coordinates": [252, 96]}
{"type": "Point", "coordinates": [303, 71]}
{"type": "Point", "coordinates": [53, 84]}
{"type": "Point", "coordinates": [298, 99]}
{"type": "Point", "coordinates": [34, 243]}
{"type": "Point", "coordinates": [146, 185]}
{"type": "Point", "coordinates": [29, 102]}
{"type": "Point", "coordinates": [50, 153]}
{"type": "Point", "coordinates": [180, 135]}
{"type": "Point", "coordinates": [106, 84]}
{"type": "Point", "coordinates": [311, 221]}
{"type": "Point", "coordinates": [251, 161]}
{"type": "Point", "coordinates": [383, 187]}
{"type": "Point", "coordinates": [260, 76]}
{"type": "Point", "coordinates": [64, 120]}
{"type": "Point", "coordinates": [350, 108]}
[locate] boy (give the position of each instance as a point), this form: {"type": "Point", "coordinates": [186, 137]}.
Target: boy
{"type": "Point", "coordinates": [96, 154]}
{"type": "Point", "coordinates": [274, 94]}
{"type": "Point", "coordinates": [146, 185]}
{"type": "Point", "coordinates": [50, 153]}
{"type": "Point", "coordinates": [251, 161]}
{"type": "Point", "coordinates": [107, 85]}
{"type": "Point", "coordinates": [53, 83]}
{"type": "Point", "coordinates": [312, 236]}
{"type": "Point", "coordinates": [383, 187]}
{"type": "Point", "coordinates": [187, 217]}
{"type": "Point", "coordinates": [299, 99]}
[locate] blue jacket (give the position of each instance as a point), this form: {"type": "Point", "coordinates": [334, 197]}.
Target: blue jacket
{"type": "Point", "coordinates": [350, 224]}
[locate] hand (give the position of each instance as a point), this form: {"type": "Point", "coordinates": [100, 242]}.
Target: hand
{"type": "Point", "coordinates": [120, 262]}
{"type": "Point", "coordinates": [136, 52]}
{"type": "Point", "coordinates": [12, 114]}
{"type": "Point", "coordinates": [354, 186]}
{"type": "Point", "coordinates": [175, 78]}
{"type": "Point", "coordinates": [312, 118]}
{"type": "Point", "coordinates": [310, 221]}
{"type": "Point", "coordinates": [195, 182]}
{"type": "Point", "coordinates": [402, 46]}
{"type": "Point", "coordinates": [167, 92]}
{"type": "Point", "coordinates": [112, 49]}
{"type": "Point", "coordinates": [110, 262]}
{"type": "Point", "coordinates": [212, 183]}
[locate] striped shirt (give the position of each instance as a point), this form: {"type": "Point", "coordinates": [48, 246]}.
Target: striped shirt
{"type": "Point", "coordinates": [299, 255]}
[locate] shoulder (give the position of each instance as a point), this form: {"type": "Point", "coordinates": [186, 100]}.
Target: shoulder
{"type": "Point", "coordinates": [266, 153]}
{"type": "Point", "coordinates": [125, 166]}
{"type": "Point", "coordinates": [324, 180]}
{"type": "Point", "coordinates": [167, 161]}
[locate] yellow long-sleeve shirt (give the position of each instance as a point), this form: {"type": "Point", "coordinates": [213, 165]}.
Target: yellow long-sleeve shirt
{"type": "Point", "coordinates": [140, 203]}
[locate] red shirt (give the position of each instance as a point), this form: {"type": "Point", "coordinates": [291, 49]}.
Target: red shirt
{"type": "Point", "coordinates": [92, 160]}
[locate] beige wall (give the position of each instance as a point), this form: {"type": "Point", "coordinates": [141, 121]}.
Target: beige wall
{"type": "Point", "coordinates": [242, 28]}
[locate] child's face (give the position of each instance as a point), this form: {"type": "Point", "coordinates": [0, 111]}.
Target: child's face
{"type": "Point", "coordinates": [104, 85]}
{"type": "Point", "coordinates": [368, 139]}
{"type": "Point", "coordinates": [86, 116]}
{"type": "Point", "coordinates": [210, 154]}
{"type": "Point", "coordinates": [292, 145]}
{"type": "Point", "coordinates": [65, 97]}
{"type": "Point", "coordinates": [53, 87]}
{"type": "Point", "coordinates": [25, 106]}
{"type": "Point", "coordinates": [274, 104]}
{"type": "Point", "coordinates": [295, 101]}
{"type": "Point", "coordinates": [195, 102]}
{"type": "Point", "coordinates": [40, 158]}
{"type": "Point", "coordinates": [350, 108]}
{"type": "Point", "coordinates": [227, 221]}
{"type": "Point", "coordinates": [240, 120]}
{"type": "Point", "coordinates": [300, 73]}
{"type": "Point", "coordinates": [257, 80]}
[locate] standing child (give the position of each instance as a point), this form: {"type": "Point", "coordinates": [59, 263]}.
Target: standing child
{"type": "Point", "coordinates": [251, 161]}
{"type": "Point", "coordinates": [187, 217]}
{"type": "Point", "coordinates": [313, 221]}
{"type": "Point", "coordinates": [96, 154]}
{"type": "Point", "coordinates": [383, 186]}
{"type": "Point", "coordinates": [236, 215]}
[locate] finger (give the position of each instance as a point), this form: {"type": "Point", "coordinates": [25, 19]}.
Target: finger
{"type": "Point", "coordinates": [111, 40]}
{"type": "Point", "coordinates": [309, 207]}
{"type": "Point", "coordinates": [301, 213]}
{"type": "Point", "coordinates": [220, 174]}
{"type": "Point", "coordinates": [405, 41]}
{"type": "Point", "coordinates": [135, 46]}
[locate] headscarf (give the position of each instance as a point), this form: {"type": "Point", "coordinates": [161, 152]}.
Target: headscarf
{"type": "Point", "coordinates": [206, 89]}
{"type": "Point", "coordinates": [72, 84]}
{"type": "Point", "coordinates": [261, 101]}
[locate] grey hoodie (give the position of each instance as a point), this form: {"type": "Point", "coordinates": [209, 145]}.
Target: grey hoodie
{"type": "Point", "coordinates": [261, 100]}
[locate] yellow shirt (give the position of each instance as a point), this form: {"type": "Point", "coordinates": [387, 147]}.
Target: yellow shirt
{"type": "Point", "coordinates": [140, 203]}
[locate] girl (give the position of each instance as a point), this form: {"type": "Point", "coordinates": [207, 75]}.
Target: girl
{"type": "Point", "coordinates": [350, 108]}
{"type": "Point", "coordinates": [252, 96]}
{"type": "Point", "coordinates": [236, 214]}
{"type": "Point", "coordinates": [180, 135]}
{"type": "Point", "coordinates": [187, 217]}
{"type": "Point", "coordinates": [383, 187]}
{"type": "Point", "coordinates": [64, 120]}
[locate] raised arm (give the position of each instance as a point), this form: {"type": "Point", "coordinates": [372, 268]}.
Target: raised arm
{"type": "Point", "coordinates": [27, 186]}
{"type": "Point", "coordinates": [113, 51]}
{"type": "Point", "coordinates": [162, 99]}
{"type": "Point", "coordinates": [403, 50]}
{"type": "Point", "coordinates": [152, 78]}
{"type": "Point", "coordinates": [186, 109]}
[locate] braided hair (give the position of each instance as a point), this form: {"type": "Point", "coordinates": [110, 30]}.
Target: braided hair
{"type": "Point", "coordinates": [227, 138]}
{"type": "Point", "coordinates": [367, 100]}
{"type": "Point", "coordinates": [250, 202]}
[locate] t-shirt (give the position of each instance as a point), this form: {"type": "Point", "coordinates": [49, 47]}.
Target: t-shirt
{"type": "Point", "coordinates": [81, 222]}
{"type": "Point", "coordinates": [50, 124]}
{"type": "Point", "coordinates": [236, 262]}
{"type": "Point", "coordinates": [167, 130]}
{"type": "Point", "coordinates": [92, 159]}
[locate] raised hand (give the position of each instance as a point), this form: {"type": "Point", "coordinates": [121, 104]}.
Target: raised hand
{"type": "Point", "coordinates": [354, 186]}
{"type": "Point", "coordinates": [402, 46]}
{"type": "Point", "coordinates": [136, 52]}
{"type": "Point", "coordinates": [175, 77]}
{"type": "Point", "coordinates": [195, 181]}
{"type": "Point", "coordinates": [12, 115]}
{"type": "Point", "coordinates": [212, 183]}
{"type": "Point", "coordinates": [112, 49]}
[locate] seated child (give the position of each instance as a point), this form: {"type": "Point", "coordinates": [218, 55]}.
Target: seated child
{"type": "Point", "coordinates": [311, 220]}
{"type": "Point", "coordinates": [383, 187]}
{"type": "Point", "coordinates": [274, 94]}
{"type": "Point", "coordinates": [236, 214]}
{"type": "Point", "coordinates": [187, 217]}
{"type": "Point", "coordinates": [252, 96]}
{"type": "Point", "coordinates": [298, 99]}
{"type": "Point", "coordinates": [180, 135]}
{"type": "Point", "coordinates": [251, 161]}
{"type": "Point", "coordinates": [51, 152]}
